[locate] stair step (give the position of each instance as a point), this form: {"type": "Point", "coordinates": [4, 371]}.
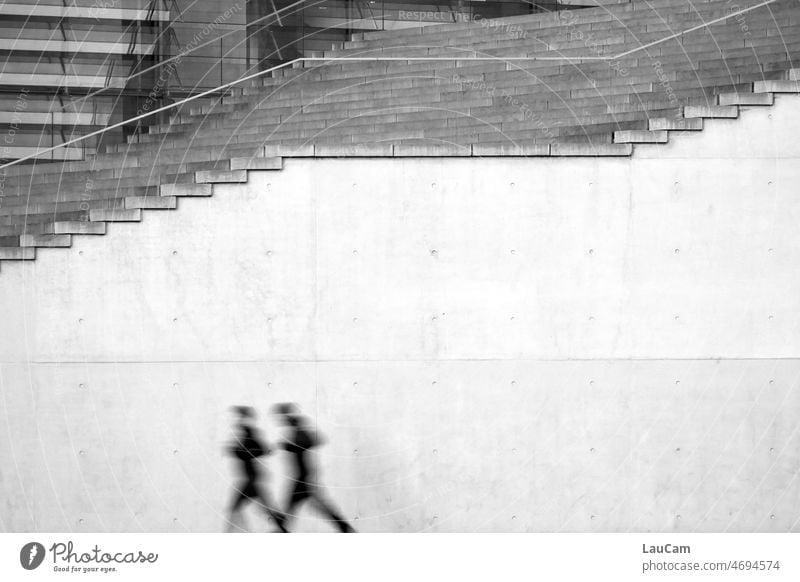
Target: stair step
{"type": "Point", "coordinates": [273, 163]}
{"type": "Point", "coordinates": [17, 253]}
{"type": "Point", "coordinates": [675, 124]}
{"type": "Point", "coordinates": [78, 227]}
{"type": "Point", "coordinates": [437, 150]}
{"type": "Point", "coordinates": [186, 190]}
{"type": "Point", "coordinates": [508, 149]}
{"type": "Point", "coordinates": [151, 202]}
{"type": "Point", "coordinates": [115, 215]}
{"type": "Point", "coordinates": [776, 87]}
{"type": "Point", "coordinates": [220, 177]}
{"type": "Point", "coordinates": [591, 150]}
{"type": "Point", "coordinates": [711, 111]}
{"type": "Point", "coordinates": [378, 150]}
{"type": "Point", "coordinates": [641, 136]}
{"type": "Point", "coordinates": [45, 240]}
{"type": "Point", "coordinates": [746, 98]}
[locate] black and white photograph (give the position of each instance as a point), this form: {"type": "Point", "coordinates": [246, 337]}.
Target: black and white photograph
{"type": "Point", "coordinates": [508, 288]}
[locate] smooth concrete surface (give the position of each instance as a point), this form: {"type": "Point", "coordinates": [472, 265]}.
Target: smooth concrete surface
{"type": "Point", "coordinates": [498, 344]}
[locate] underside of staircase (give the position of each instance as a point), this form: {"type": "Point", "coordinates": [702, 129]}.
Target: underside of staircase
{"type": "Point", "coordinates": [589, 82]}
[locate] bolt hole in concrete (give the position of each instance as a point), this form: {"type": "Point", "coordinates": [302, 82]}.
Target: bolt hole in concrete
{"type": "Point", "coordinates": [434, 253]}
{"type": "Point", "coordinates": [175, 385]}
{"type": "Point", "coordinates": [80, 320]}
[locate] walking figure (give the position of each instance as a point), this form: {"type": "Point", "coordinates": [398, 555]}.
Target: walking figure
{"type": "Point", "coordinates": [299, 442]}
{"type": "Point", "coordinates": [247, 447]}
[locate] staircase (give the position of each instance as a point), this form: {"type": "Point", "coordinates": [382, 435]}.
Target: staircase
{"type": "Point", "coordinates": [590, 82]}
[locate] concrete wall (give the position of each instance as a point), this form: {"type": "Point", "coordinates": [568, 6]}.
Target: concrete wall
{"type": "Point", "coordinates": [498, 344]}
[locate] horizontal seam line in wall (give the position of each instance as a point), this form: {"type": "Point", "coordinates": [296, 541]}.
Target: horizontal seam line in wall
{"type": "Point", "coordinates": [380, 360]}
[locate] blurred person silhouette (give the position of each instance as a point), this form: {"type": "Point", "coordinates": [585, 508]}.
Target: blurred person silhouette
{"type": "Point", "coordinates": [299, 442]}
{"type": "Point", "coordinates": [247, 447]}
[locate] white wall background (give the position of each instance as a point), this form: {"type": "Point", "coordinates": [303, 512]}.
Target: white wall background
{"type": "Point", "coordinates": [492, 345]}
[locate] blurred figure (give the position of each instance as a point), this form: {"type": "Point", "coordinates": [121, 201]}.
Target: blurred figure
{"type": "Point", "coordinates": [247, 447]}
{"type": "Point", "coordinates": [299, 442]}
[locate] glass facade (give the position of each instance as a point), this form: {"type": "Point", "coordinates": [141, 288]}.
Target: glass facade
{"type": "Point", "coordinates": [281, 30]}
